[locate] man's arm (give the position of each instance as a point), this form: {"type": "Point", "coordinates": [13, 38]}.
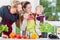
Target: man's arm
{"type": "Point", "coordinates": [1, 14]}
{"type": "Point", "coordinates": [0, 19]}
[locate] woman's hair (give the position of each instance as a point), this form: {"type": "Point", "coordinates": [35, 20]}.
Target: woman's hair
{"type": "Point", "coordinates": [14, 4]}
{"type": "Point", "coordinates": [24, 4]}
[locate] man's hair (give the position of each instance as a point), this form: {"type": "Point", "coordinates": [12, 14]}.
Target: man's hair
{"type": "Point", "coordinates": [14, 4]}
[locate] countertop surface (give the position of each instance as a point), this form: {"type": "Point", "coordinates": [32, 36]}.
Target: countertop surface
{"type": "Point", "coordinates": [27, 39]}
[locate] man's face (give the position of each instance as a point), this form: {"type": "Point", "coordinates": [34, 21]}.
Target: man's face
{"type": "Point", "coordinates": [19, 8]}
{"type": "Point", "coordinates": [13, 10]}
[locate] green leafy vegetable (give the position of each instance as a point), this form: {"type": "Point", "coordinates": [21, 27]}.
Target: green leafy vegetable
{"type": "Point", "coordinates": [3, 28]}
{"type": "Point", "coordinates": [46, 27]}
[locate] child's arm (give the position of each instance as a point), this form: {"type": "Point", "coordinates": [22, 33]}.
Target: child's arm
{"type": "Point", "coordinates": [44, 19]}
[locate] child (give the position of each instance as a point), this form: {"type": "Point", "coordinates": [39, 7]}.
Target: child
{"type": "Point", "coordinates": [40, 18]}
{"type": "Point", "coordinates": [39, 12]}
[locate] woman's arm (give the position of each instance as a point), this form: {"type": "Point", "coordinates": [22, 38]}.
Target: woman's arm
{"type": "Point", "coordinates": [24, 22]}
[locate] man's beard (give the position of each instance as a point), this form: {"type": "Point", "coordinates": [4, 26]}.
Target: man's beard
{"type": "Point", "coordinates": [20, 12]}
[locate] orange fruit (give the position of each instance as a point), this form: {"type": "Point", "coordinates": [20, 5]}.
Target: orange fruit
{"type": "Point", "coordinates": [33, 36]}
{"type": "Point", "coordinates": [12, 35]}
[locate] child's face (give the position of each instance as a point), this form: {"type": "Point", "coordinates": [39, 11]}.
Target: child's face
{"type": "Point", "coordinates": [39, 10]}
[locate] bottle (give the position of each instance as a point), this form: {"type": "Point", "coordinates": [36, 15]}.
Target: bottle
{"type": "Point", "coordinates": [28, 34]}
{"type": "Point", "coordinates": [21, 32]}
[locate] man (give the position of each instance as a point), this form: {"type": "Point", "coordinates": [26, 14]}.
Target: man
{"type": "Point", "coordinates": [8, 15]}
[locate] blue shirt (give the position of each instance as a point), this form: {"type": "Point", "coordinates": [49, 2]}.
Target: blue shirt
{"type": "Point", "coordinates": [5, 12]}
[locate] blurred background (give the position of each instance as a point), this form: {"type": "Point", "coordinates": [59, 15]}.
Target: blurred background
{"type": "Point", "coordinates": [51, 9]}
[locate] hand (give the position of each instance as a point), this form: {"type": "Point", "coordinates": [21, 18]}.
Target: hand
{"type": "Point", "coordinates": [0, 19]}
{"type": "Point", "coordinates": [4, 36]}
{"type": "Point", "coordinates": [26, 16]}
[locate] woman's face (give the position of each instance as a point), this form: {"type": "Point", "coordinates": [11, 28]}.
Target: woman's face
{"type": "Point", "coordinates": [28, 8]}
{"type": "Point", "coordinates": [19, 8]}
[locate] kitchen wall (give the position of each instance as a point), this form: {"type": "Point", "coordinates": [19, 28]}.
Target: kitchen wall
{"type": "Point", "coordinates": [5, 2]}
{"type": "Point", "coordinates": [8, 2]}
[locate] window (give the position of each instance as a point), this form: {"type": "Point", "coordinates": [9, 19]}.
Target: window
{"type": "Point", "coordinates": [51, 9]}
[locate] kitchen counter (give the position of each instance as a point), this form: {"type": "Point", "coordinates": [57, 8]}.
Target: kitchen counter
{"type": "Point", "coordinates": [27, 39]}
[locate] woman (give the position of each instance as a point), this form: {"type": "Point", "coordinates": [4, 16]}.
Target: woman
{"type": "Point", "coordinates": [28, 19]}
{"type": "Point", "coordinates": [8, 15]}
